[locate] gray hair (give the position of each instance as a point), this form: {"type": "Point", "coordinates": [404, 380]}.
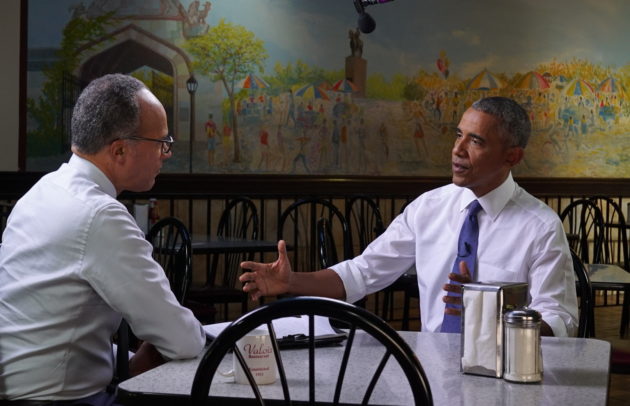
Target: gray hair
{"type": "Point", "coordinates": [107, 109]}
{"type": "Point", "coordinates": [513, 119]}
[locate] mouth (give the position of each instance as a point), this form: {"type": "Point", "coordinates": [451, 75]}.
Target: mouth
{"type": "Point", "coordinates": [459, 168]}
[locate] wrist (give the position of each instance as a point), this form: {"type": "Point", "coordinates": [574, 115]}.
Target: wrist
{"type": "Point", "coordinates": [291, 282]}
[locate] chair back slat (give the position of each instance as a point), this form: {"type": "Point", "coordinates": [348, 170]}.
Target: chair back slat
{"type": "Point", "coordinates": [312, 228]}
{"type": "Point", "coordinates": [172, 250]}
{"type": "Point", "coordinates": [586, 320]}
{"type": "Point", "coordinates": [583, 224]}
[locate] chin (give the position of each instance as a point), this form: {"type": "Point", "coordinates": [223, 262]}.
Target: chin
{"type": "Point", "coordinates": [142, 188]}
{"type": "Point", "coordinates": [459, 181]}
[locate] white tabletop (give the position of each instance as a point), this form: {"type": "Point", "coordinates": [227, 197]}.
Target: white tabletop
{"type": "Point", "coordinates": [576, 372]}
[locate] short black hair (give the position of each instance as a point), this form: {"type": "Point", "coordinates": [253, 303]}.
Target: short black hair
{"type": "Point", "coordinates": [513, 119]}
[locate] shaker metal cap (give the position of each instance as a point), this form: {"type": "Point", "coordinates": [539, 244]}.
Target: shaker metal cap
{"type": "Point", "coordinates": [523, 316]}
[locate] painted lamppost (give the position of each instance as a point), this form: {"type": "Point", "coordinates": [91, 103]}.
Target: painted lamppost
{"type": "Point", "coordinates": [191, 86]}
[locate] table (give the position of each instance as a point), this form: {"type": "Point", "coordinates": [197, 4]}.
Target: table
{"type": "Point", "coordinates": [205, 244]}
{"type": "Point", "coordinates": [213, 244]}
{"type": "Point", "coordinates": [609, 274]}
{"type": "Point", "coordinates": [606, 276]}
{"type": "Point", "coordinates": [576, 372]}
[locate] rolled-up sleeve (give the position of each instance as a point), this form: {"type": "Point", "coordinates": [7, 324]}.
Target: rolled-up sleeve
{"type": "Point", "coordinates": [552, 283]}
{"type": "Point", "coordinates": [381, 263]}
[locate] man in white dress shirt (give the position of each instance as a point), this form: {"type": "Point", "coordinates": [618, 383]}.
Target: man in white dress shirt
{"type": "Point", "coordinates": [520, 238]}
{"type": "Point", "coordinates": [73, 262]}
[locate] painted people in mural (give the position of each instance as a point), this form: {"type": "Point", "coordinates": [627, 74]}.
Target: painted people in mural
{"type": "Point", "coordinates": [211, 133]}
{"type": "Point", "coordinates": [577, 101]}
{"type": "Point", "coordinates": [263, 135]}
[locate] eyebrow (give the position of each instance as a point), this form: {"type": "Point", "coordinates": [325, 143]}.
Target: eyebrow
{"type": "Point", "coordinates": [472, 135]}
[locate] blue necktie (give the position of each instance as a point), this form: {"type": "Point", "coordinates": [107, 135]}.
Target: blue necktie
{"type": "Point", "coordinates": [467, 252]}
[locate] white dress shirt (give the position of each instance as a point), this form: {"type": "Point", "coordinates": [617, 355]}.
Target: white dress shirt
{"type": "Point", "coordinates": [520, 240]}
{"type": "Point", "coordinates": [72, 262]}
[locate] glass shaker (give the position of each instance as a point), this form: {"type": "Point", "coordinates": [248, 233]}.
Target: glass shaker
{"type": "Point", "coordinates": [523, 357]}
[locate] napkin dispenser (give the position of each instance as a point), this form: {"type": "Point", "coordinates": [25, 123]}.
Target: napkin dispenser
{"type": "Point", "coordinates": [484, 304]}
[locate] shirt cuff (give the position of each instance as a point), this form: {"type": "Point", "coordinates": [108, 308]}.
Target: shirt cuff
{"type": "Point", "coordinates": [352, 281]}
{"type": "Point", "coordinates": [556, 324]}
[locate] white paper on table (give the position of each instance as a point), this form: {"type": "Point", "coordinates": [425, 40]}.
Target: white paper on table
{"type": "Point", "coordinates": [480, 330]}
{"type": "Point", "coordinates": [283, 327]}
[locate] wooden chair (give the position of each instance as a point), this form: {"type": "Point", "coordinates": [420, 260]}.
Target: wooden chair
{"type": "Point", "coordinates": [238, 220]}
{"type": "Point", "coordinates": [172, 250]}
{"type": "Point", "coordinates": [615, 251]}
{"type": "Point", "coordinates": [584, 225]}
{"type": "Point", "coordinates": [586, 320]}
{"type": "Point", "coordinates": [615, 243]}
{"type": "Point", "coordinates": [298, 226]}
{"type": "Point", "coordinates": [365, 223]}
{"type": "Point", "coordinates": [326, 244]}
{"type": "Point", "coordinates": [395, 349]}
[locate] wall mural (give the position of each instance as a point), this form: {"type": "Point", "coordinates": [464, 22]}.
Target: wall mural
{"type": "Point", "coordinates": [292, 87]}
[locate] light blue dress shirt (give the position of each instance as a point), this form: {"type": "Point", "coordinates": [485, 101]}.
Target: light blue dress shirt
{"type": "Point", "coordinates": [72, 262]}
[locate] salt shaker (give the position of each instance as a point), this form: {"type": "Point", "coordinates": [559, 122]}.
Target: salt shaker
{"type": "Point", "coordinates": [523, 357]}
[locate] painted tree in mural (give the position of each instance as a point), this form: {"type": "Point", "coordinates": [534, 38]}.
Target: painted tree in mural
{"type": "Point", "coordinates": [298, 74]}
{"type": "Point", "coordinates": [227, 53]}
{"type": "Point", "coordinates": [47, 110]}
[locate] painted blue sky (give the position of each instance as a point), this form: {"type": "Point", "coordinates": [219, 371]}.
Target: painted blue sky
{"type": "Point", "coordinates": [503, 36]}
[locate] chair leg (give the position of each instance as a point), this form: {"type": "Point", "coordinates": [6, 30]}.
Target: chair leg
{"type": "Point", "coordinates": [625, 308]}
{"type": "Point", "coordinates": [591, 324]}
{"type": "Point", "coordinates": [386, 297]}
{"type": "Point", "coordinates": [376, 306]}
{"type": "Point", "coordinates": [405, 320]}
{"type": "Point", "coordinates": [122, 355]}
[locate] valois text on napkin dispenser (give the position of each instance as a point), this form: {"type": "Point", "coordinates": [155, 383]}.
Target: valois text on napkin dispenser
{"type": "Point", "coordinates": [484, 304]}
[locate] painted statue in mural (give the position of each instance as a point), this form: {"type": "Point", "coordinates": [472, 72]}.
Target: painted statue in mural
{"type": "Point", "coordinates": [195, 19]}
{"type": "Point", "coordinates": [272, 80]}
{"type": "Point", "coordinates": [356, 44]}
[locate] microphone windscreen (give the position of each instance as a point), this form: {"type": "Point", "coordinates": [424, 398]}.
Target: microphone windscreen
{"type": "Point", "coordinates": [366, 23]}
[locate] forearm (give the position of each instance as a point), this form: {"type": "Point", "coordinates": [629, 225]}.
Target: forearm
{"type": "Point", "coordinates": [545, 330]}
{"type": "Point", "coordinates": [147, 357]}
{"type": "Point", "coordinates": [325, 283]}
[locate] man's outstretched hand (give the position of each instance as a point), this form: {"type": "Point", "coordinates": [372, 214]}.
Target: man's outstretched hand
{"type": "Point", "coordinates": [267, 279]}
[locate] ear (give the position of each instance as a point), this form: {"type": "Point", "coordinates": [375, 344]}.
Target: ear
{"type": "Point", "coordinates": [117, 150]}
{"type": "Point", "coordinates": [514, 156]}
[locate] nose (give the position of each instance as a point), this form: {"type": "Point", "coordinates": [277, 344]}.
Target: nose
{"type": "Point", "coordinates": [457, 146]}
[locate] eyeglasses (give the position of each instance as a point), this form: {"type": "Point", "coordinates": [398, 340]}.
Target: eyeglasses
{"type": "Point", "coordinates": [167, 142]}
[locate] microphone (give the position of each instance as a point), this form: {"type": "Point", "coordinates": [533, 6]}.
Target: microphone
{"type": "Point", "coordinates": [366, 23]}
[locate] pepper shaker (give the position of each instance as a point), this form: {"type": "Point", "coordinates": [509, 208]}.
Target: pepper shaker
{"type": "Point", "coordinates": [523, 356]}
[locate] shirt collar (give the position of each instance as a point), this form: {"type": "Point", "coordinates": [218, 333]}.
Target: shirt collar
{"type": "Point", "coordinates": [493, 202]}
{"type": "Point", "coordinates": [92, 172]}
